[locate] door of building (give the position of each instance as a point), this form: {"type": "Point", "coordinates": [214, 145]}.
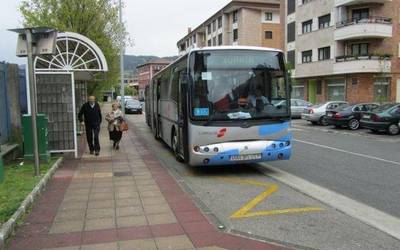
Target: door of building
{"type": "Point", "coordinates": [312, 91]}
{"type": "Point", "coordinates": [398, 91]}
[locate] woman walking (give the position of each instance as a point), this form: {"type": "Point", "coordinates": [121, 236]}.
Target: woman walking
{"type": "Point", "coordinates": [115, 119]}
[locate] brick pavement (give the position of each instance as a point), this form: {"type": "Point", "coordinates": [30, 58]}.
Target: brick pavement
{"type": "Point", "coordinates": [120, 200]}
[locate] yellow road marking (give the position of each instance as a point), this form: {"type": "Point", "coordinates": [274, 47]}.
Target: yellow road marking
{"type": "Point", "coordinates": [245, 211]}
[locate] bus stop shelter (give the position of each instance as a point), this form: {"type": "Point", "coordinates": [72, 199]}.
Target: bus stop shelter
{"type": "Point", "coordinates": [61, 83]}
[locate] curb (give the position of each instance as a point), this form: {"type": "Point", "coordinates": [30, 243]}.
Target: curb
{"type": "Point", "coordinates": [8, 227]}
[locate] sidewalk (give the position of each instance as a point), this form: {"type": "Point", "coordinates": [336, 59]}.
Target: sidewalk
{"type": "Point", "coordinates": [120, 200]}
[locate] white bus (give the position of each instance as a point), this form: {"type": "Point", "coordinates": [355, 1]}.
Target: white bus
{"type": "Point", "coordinates": [223, 105]}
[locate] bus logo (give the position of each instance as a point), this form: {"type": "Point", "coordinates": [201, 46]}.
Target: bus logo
{"type": "Point", "coordinates": [221, 133]}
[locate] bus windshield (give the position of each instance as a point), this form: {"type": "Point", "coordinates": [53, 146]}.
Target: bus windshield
{"type": "Point", "coordinates": [238, 85]}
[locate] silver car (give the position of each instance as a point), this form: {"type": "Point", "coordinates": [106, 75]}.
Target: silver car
{"type": "Point", "coordinates": [317, 114]}
{"type": "Point", "coordinates": [298, 106]}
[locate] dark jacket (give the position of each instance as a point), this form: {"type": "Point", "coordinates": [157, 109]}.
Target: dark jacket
{"type": "Point", "coordinates": [92, 115]}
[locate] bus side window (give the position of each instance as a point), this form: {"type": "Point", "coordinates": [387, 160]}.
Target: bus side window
{"type": "Point", "coordinates": [158, 89]}
{"type": "Point", "coordinates": [175, 86]}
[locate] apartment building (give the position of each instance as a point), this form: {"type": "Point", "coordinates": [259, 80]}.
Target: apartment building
{"type": "Point", "coordinates": [344, 49]}
{"type": "Point", "coordinates": [146, 71]}
{"type": "Point", "coordinates": [240, 22]}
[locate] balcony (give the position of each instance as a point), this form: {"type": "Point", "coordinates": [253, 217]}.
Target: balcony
{"type": "Point", "coordinates": [373, 27]}
{"type": "Point", "coordinates": [362, 64]}
{"type": "Point", "coordinates": [354, 2]}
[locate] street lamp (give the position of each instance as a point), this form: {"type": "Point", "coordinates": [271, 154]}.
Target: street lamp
{"type": "Point", "coordinates": [32, 42]}
{"type": "Point", "coordinates": [122, 63]}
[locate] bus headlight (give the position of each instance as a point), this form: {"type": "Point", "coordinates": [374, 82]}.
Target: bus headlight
{"type": "Point", "coordinates": [206, 149]}
{"type": "Point", "coordinates": [216, 150]}
{"type": "Point", "coordinates": [196, 148]}
{"type": "Point", "coordinates": [287, 143]}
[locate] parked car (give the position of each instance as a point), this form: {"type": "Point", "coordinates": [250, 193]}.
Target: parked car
{"type": "Point", "coordinates": [133, 107]}
{"type": "Point", "coordinates": [317, 114]}
{"type": "Point", "coordinates": [384, 119]}
{"type": "Point", "coordinates": [298, 106]}
{"type": "Point", "coordinates": [349, 116]}
{"type": "Point", "coordinates": [126, 98]}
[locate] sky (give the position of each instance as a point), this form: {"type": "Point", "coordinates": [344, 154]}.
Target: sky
{"type": "Point", "coordinates": [155, 26]}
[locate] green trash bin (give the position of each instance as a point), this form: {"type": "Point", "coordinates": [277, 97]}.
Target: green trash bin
{"type": "Point", "coordinates": [42, 123]}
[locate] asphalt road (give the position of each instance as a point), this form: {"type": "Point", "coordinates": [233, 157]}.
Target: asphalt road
{"type": "Point", "coordinates": [359, 165]}
{"type": "Point", "coordinates": [244, 200]}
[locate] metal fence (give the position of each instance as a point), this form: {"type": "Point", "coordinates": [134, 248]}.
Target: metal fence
{"type": "Point", "coordinates": [5, 121]}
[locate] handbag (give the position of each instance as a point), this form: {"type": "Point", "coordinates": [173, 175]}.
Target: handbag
{"type": "Point", "coordinates": [123, 126]}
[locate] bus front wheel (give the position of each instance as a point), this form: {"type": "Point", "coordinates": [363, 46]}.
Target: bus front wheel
{"type": "Point", "coordinates": [175, 146]}
{"type": "Point", "coordinates": [155, 129]}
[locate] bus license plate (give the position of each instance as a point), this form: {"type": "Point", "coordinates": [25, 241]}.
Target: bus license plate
{"type": "Point", "coordinates": [245, 157]}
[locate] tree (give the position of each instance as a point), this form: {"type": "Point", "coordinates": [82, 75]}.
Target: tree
{"type": "Point", "coordinates": [96, 19]}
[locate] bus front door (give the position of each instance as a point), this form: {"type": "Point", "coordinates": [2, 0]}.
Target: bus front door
{"type": "Point", "coordinates": [183, 116]}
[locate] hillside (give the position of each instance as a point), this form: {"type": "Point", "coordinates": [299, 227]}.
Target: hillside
{"type": "Point", "coordinates": [132, 61]}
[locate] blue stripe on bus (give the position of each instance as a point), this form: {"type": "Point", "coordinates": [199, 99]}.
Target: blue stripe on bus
{"type": "Point", "coordinates": [268, 154]}
{"type": "Point", "coordinates": [265, 130]}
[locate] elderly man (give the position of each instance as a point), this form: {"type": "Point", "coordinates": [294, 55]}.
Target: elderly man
{"type": "Point", "coordinates": [90, 117]}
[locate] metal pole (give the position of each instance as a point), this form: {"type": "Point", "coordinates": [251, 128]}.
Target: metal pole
{"type": "Point", "coordinates": [122, 63]}
{"type": "Point", "coordinates": [32, 94]}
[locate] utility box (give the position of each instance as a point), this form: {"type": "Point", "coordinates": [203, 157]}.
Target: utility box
{"type": "Point", "coordinates": [43, 142]}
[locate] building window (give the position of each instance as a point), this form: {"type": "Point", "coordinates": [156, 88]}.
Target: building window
{"type": "Point", "coordinates": [194, 39]}
{"type": "Point", "coordinates": [324, 21]}
{"type": "Point", "coordinates": [359, 49]}
{"type": "Point", "coordinates": [219, 22]}
{"type": "Point", "coordinates": [214, 25]}
{"type": "Point", "coordinates": [336, 90]}
{"type": "Point", "coordinates": [360, 14]}
{"type": "Point", "coordinates": [220, 39]}
{"type": "Point", "coordinates": [268, 34]}
{"type": "Point", "coordinates": [291, 6]}
{"type": "Point", "coordinates": [209, 29]}
{"type": "Point", "coordinates": [324, 53]}
{"type": "Point", "coordinates": [354, 81]}
{"type": "Point", "coordinates": [381, 90]}
{"type": "Point", "coordinates": [306, 1]}
{"type": "Point", "coordinates": [235, 16]}
{"type": "Point", "coordinates": [291, 32]}
{"type": "Point", "coordinates": [268, 16]}
{"type": "Point", "coordinates": [209, 43]}
{"type": "Point", "coordinates": [307, 26]}
{"type": "Point", "coordinates": [298, 92]}
{"type": "Point", "coordinates": [214, 43]}
{"type": "Point", "coordinates": [291, 59]}
{"type": "Point", "coordinates": [306, 56]}
{"type": "Point", "coordinates": [235, 35]}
